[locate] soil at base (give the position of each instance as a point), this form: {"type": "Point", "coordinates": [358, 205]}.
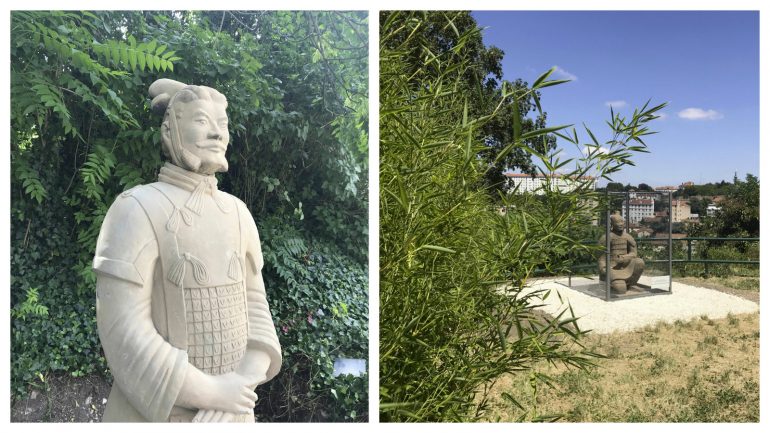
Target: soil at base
{"type": "Point", "coordinates": [64, 399]}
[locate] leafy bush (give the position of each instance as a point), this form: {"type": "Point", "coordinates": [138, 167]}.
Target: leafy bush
{"type": "Point", "coordinates": [82, 132]}
{"type": "Point", "coordinates": [320, 307]}
{"type": "Point", "coordinates": [452, 315]}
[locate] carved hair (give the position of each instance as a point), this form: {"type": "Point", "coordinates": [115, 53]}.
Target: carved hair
{"type": "Point", "coordinates": [170, 97]}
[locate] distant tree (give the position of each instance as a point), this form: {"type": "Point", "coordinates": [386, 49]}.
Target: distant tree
{"type": "Point", "coordinates": [709, 190]}
{"type": "Point", "coordinates": [615, 187]}
{"type": "Point", "coordinates": [644, 187]}
{"type": "Point", "coordinates": [658, 225]}
{"type": "Point", "coordinates": [698, 205]}
{"type": "Point", "coordinates": [739, 213]}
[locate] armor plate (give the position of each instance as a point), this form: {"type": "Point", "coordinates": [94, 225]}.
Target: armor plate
{"type": "Point", "coordinates": [217, 327]}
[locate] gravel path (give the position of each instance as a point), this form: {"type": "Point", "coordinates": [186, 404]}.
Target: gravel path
{"type": "Point", "coordinates": [686, 302]}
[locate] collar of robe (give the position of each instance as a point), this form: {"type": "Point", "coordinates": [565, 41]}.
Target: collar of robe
{"type": "Point", "coordinates": [198, 184]}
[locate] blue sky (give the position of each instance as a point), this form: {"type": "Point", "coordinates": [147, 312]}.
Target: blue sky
{"type": "Point", "coordinates": [704, 64]}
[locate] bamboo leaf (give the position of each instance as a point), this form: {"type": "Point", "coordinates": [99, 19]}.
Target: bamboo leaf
{"type": "Point", "coordinates": [436, 248]}
{"type": "Point", "coordinates": [542, 131]}
{"type": "Point", "coordinates": [542, 77]}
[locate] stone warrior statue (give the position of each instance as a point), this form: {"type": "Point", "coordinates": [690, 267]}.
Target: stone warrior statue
{"type": "Point", "coordinates": [625, 267]}
{"type": "Point", "coordinates": [181, 305]}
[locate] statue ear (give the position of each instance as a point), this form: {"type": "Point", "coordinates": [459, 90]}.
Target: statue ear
{"type": "Point", "coordinates": [165, 141]}
{"type": "Point", "coordinates": [165, 133]}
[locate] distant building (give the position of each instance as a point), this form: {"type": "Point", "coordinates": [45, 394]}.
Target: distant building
{"type": "Point", "coordinates": [664, 235]}
{"type": "Point", "coordinates": [521, 183]}
{"type": "Point", "coordinates": [693, 218]}
{"type": "Point", "coordinates": [638, 209]}
{"type": "Point", "coordinates": [686, 184]}
{"type": "Point", "coordinates": [642, 232]}
{"type": "Point", "coordinates": [712, 209]}
{"type": "Point", "coordinates": [667, 188]}
{"type": "Point", "coordinates": [680, 210]}
{"type": "Point", "coordinates": [643, 195]}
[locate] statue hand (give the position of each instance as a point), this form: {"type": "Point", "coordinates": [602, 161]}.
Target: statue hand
{"type": "Point", "coordinates": [209, 415]}
{"type": "Point", "coordinates": [626, 259]}
{"type": "Point", "coordinates": [230, 392]}
{"type": "Point", "coordinates": [254, 367]}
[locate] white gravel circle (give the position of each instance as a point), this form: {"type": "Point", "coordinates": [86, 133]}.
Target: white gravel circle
{"type": "Point", "coordinates": [602, 317]}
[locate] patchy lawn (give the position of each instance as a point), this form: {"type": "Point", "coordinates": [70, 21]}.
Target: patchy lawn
{"type": "Point", "coordinates": [702, 370]}
{"type": "Point", "coordinates": [742, 286]}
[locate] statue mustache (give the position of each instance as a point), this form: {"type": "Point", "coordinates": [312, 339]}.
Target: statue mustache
{"type": "Point", "coordinates": [213, 143]}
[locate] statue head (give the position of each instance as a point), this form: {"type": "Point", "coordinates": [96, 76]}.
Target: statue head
{"type": "Point", "coordinates": [194, 130]}
{"type": "Point", "coordinates": [616, 222]}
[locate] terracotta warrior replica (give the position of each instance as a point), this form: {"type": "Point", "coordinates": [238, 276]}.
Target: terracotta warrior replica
{"type": "Point", "coordinates": [181, 306]}
{"type": "Point", "coordinates": [625, 267]}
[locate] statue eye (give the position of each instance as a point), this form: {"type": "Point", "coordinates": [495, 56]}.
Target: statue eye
{"type": "Point", "coordinates": [202, 121]}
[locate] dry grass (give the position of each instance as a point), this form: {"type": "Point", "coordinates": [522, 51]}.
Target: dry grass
{"type": "Point", "coordinates": [702, 370]}
{"type": "Point", "coordinates": [746, 287]}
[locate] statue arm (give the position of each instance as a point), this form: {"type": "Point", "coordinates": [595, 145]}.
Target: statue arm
{"type": "Point", "coordinates": [146, 368]}
{"type": "Point", "coordinates": [263, 355]}
{"type": "Point", "coordinates": [631, 249]}
{"type": "Point", "coordinates": [152, 374]}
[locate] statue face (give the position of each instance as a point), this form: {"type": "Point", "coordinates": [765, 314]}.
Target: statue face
{"type": "Point", "coordinates": [616, 222]}
{"type": "Point", "coordinates": [203, 132]}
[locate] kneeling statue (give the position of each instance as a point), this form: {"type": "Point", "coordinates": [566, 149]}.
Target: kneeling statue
{"type": "Point", "coordinates": [625, 267]}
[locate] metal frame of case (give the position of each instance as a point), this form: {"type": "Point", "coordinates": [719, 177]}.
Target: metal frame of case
{"type": "Point", "coordinates": [608, 295]}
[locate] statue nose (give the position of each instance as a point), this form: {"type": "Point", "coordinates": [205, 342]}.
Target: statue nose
{"type": "Point", "coordinates": [215, 132]}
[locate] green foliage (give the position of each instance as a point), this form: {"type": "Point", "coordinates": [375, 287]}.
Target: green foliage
{"type": "Point", "coordinates": [481, 83]}
{"type": "Point", "coordinates": [319, 302]}
{"type": "Point", "coordinates": [738, 215]}
{"type": "Point", "coordinates": [64, 340]}
{"type": "Point", "coordinates": [131, 55]}
{"type": "Point", "coordinates": [30, 307]}
{"type": "Point", "coordinates": [29, 178]}
{"type": "Point", "coordinates": [708, 189]}
{"type": "Point", "coordinates": [452, 315]}
{"type": "Point", "coordinates": [82, 132]}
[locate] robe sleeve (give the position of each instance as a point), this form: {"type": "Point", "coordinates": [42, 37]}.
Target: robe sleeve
{"type": "Point", "coordinates": [262, 334]}
{"type": "Point", "coordinates": [146, 368]}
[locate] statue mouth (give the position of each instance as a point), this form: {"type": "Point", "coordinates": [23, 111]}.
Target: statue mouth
{"type": "Point", "coordinates": [212, 146]}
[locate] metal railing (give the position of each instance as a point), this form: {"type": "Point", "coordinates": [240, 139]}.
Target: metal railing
{"type": "Point", "coordinates": [706, 262]}
{"type": "Point", "coordinates": [712, 261]}
{"type": "Point", "coordinates": [689, 258]}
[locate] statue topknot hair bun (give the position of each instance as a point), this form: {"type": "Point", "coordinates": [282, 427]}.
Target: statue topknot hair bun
{"type": "Point", "coordinates": [161, 91]}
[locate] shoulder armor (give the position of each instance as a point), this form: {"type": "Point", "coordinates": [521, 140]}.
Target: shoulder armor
{"type": "Point", "coordinates": [125, 233]}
